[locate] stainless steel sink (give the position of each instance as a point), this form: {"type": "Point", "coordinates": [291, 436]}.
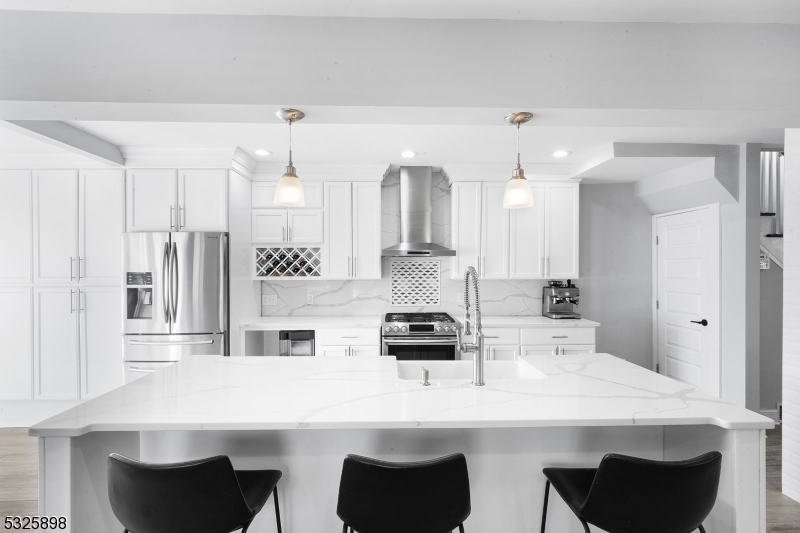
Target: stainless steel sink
{"type": "Point", "coordinates": [454, 370]}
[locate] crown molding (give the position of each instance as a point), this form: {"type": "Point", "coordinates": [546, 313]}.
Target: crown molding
{"type": "Point", "coordinates": [323, 172]}
{"type": "Point", "coordinates": [502, 173]}
{"type": "Point", "coordinates": [47, 161]}
{"type": "Point", "coordinates": [189, 157]}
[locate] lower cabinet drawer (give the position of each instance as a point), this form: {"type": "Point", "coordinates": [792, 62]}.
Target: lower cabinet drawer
{"type": "Point", "coordinates": [348, 337]}
{"type": "Point", "coordinates": [494, 336]}
{"type": "Point", "coordinates": [557, 336]}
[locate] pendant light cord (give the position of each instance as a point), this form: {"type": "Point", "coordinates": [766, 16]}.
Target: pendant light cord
{"type": "Point", "coordinates": [290, 142]}
{"type": "Point", "coordinates": [518, 163]}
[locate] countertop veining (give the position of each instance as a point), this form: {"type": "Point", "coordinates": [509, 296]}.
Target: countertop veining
{"type": "Point", "coordinates": [312, 322]}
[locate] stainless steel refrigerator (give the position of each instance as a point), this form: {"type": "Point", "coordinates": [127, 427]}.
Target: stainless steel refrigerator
{"type": "Point", "coordinates": [176, 298]}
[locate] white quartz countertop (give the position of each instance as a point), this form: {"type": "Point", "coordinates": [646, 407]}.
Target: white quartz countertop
{"type": "Point", "coordinates": [312, 322]}
{"type": "Point", "coordinates": [268, 393]}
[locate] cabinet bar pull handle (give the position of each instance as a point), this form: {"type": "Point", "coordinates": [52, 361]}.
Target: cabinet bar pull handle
{"type": "Point", "coordinates": [349, 336]}
{"type": "Point", "coordinates": [71, 268]}
{"type": "Point", "coordinates": [283, 233]}
{"type": "Point", "coordinates": [491, 336]}
{"type": "Point", "coordinates": [478, 259]}
{"type": "Point", "coordinates": [81, 301]}
{"type": "Point", "coordinates": [544, 273]}
{"type": "Point", "coordinates": [171, 222]}
{"type": "Point", "coordinates": [71, 307]}
{"type": "Point", "coordinates": [355, 266]}
{"type": "Point", "coordinates": [182, 221]}
{"type": "Point", "coordinates": [548, 265]}
{"type": "Point", "coordinates": [560, 337]}
{"type": "Point", "coordinates": [290, 233]}
{"type": "Point", "coordinates": [483, 269]}
{"type": "Point", "coordinates": [348, 266]}
{"type": "Point", "coordinates": [81, 269]}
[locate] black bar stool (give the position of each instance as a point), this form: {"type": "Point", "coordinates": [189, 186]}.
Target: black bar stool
{"type": "Point", "coordinates": [202, 496]}
{"type": "Point", "coordinates": [424, 497]}
{"type": "Point", "coordinates": [631, 495]}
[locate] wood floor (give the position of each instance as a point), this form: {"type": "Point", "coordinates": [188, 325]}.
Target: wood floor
{"type": "Point", "coordinates": [19, 465]}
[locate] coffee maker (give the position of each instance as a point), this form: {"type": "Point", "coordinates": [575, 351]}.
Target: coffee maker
{"type": "Point", "coordinates": [560, 299]}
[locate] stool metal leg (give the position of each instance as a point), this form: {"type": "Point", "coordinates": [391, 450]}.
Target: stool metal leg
{"type": "Point", "coordinates": [701, 528]}
{"type": "Point", "coordinates": [344, 528]}
{"type": "Point", "coordinates": [461, 528]}
{"type": "Point", "coordinates": [246, 526]}
{"type": "Point", "coordinates": [585, 525]}
{"type": "Point", "coordinates": [277, 508]}
{"type": "Point", "coordinates": [544, 507]}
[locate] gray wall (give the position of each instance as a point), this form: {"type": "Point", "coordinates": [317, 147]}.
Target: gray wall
{"type": "Point", "coordinates": [616, 270]}
{"type": "Point", "coordinates": [771, 335]}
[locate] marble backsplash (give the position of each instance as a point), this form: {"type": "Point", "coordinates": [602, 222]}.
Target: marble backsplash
{"type": "Point", "coordinates": [351, 298]}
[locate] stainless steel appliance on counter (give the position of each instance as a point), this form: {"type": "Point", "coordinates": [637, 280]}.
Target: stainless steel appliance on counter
{"type": "Point", "coordinates": [294, 343]}
{"type": "Point", "coordinates": [175, 298]}
{"type": "Point", "coordinates": [560, 299]}
{"type": "Point", "coordinates": [420, 336]}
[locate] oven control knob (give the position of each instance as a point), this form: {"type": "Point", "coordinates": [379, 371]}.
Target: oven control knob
{"type": "Point", "coordinates": [396, 329]}
{"type": "Point", "coordinates": [404, 329]}
{"type": "Point", "coordinates": [387, 329]}
{"type": "Point", "coordinates": [446, 329]}
{"type": "Point", "coordinates": [438, 329]}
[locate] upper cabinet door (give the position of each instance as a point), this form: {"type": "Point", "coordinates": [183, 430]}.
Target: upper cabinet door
{"type": "Point", "coordinates": [100, 340]}
{"type": "Point", "coordinates": [561, 230]}
{"type": "Point", "coordinates": [466, 227]}
{"type": "Point", "coordinates": [269, 226]}
{"type": "Point", "coordinates": [337, 251]}
{"type": "Point", "coordinates": [151, 199]}
{"type": "Point", "coordinates": [15, 216]}
{"type": "Point", "coordinates": [305, 226]}
{"type": "Point", "coordinates": [55, 343]}
{"type": "Point", "coordinates": [526, 255]}
{"type": "Point", "coordinates": [494, 232]}
{"type": "Point", "coordinates": [100, 227]}
{"type": "Point", "coordinates": [55, 220]}
{"type": "Point", "coordinates": [264, 194]}
{"type": "Point", "coordinates": [367, 230]}
{"type": "Point", "coordinates": [203, 200]}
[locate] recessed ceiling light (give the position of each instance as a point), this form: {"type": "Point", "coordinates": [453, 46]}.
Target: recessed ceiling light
{"type": "Point", "coordinates": [263, 152]}
{"type": "Point", "coordinates": [561, 153]}
{"type": "Point", "coordinates": [408, 153]}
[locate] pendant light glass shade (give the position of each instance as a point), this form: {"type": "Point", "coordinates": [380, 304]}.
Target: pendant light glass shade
{"type": "Point", "coordinates": [518, 191]}
{"type": "Point", "coordinates": [289, 192]}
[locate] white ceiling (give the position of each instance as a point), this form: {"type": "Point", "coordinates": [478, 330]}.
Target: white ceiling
{"type": "Point", "coordinates": [744, 11]}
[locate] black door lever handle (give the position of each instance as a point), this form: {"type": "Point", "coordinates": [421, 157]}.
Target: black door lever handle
{"type": "Point", "coordinates": [703, 322]}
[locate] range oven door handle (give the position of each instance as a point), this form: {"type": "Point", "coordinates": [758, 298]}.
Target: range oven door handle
{"type": "Point", "coordinates": [418, 340]}
{"type": "Point", "coordinates": [170, 343]}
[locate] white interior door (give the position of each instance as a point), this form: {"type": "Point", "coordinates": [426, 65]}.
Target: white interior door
{"type": "Point", "coordinates": [55, 343]}
{"type": "Point", "coordinates": [367, 230]}
{"type": "Point", "coordinates": [494, 232]}
{"type": "Point", "coordinates": [338, 257]}
{"type": "Point", "coordinates": [100, 340]}
{"type": "Point", "coordinates": [688, 278]}
{"type": "Point", "coordinates": [15, 216]}
{"type": "Point", "coordinates": [100, 227]}
{"type": "Point", "coordinates": [151, 195]}
{"type": "Point", "coordinates": [55, 221]}
{"type": "Point", "coordinates": [203, 200]}
{"type": "Point", "coordinates": [526, 254]}
{"type": "Point", "coordinates": [466, 227]}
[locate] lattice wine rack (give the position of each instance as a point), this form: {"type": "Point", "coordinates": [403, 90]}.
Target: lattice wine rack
{"type": "Point", "coordinates": [287, 262]}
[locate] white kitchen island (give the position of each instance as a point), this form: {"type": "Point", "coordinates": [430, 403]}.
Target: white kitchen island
{"type": "Point", "coordinates": [303, 415]}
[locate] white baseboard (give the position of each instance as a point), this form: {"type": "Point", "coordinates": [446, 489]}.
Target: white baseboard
{"type": "Point", "coordinates": [25, 413]}
{"type": "Point", "coordinates": [771, 413]}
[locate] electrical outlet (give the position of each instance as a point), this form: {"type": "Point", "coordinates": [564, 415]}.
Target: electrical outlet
{"type": "Point", "coordinates": [269, 299]}
{"type": "Point", "coordinates": [310, 299]}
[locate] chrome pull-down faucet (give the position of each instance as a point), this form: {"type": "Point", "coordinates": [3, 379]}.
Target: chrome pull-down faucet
{"type": "Point", "coordinates": [476, 346]}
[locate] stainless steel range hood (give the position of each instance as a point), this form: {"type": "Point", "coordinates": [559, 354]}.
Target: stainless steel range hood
{"type": "Point", "coordinates": [415, 217]}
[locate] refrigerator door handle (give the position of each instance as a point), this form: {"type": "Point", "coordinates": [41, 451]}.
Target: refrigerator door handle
{"type": "Point", "coordinates": [165, 282]}
{"type": "Point", "coordinates": [170, 343]}
{"type": "Point", "coordinates": [223, 285]}
{"type": "Point", "coordinates": [173, 282]}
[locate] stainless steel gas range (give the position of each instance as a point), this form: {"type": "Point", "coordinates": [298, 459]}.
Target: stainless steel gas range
{"type": "Point", "coordinates": [420, 336]}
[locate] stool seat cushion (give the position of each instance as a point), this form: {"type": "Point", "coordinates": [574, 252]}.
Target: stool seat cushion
{"type": "Point", "coordinates": [257, 485]}
{"type": "Point", "coordinates": [572, 484]}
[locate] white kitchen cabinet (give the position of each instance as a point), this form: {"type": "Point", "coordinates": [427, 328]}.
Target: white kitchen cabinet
{"type": "Point", "coordinates": [575, 349]}
{"type": "Point", "coordinates": [367, 230]}
{"type": "Point", "coordinates": [55, 343]}
{"type": "Point", "coordinates": [55, 221]}
{"type": "Point", "coordinates": [537, 242]}
{"type": "Point", "coordinates": [269, 225]}
{"type": "Point", "coordinates": [321, 350]}
{"type": "Point", "coordinates": [337, 252]}
{"type": "Point", "coordinates": [100, 341]}
{"type": "Point", "coordinates": [539, 349]}
{"type": "Point", "coordinates": [304, 226]}
{"type": "Point", "coordinates": [501, 352]}
{"type": "Point", "coordinates": [264, 194]}
{"type": "Point", "coordinates": [370, 351]}
{"type": "Point", "coordinates": [203, 200]}
{"type": "Point", "coordinates": [151, 199]}
{"type": "Point", "coordinates": [352, 233]}
{"type": "Point", "coordinates": [466, 227]}
{"type": "Point", "coordinates": [526, 251]}
{"type": "Point", "coordinates": [494, 232]}
{"type": "Point", "coordinates": [15, 217]}
{"type": "Point", "coordinates": [561, 230]}
{"type": "Point", "coordinates": [172, 200]}
{"type": "Point", "coordinates": [100, 226]}
{"type": "Point", "coordinates": [16, 363]}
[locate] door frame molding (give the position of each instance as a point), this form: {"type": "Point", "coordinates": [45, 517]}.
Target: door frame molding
{"type": "Point", "coordinates": [714, 210]}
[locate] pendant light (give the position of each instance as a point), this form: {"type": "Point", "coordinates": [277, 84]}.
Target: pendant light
{"type": "Point", "coordinates": [289, 191]}
{"type": "Point", "coordinates": [518, 191]}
